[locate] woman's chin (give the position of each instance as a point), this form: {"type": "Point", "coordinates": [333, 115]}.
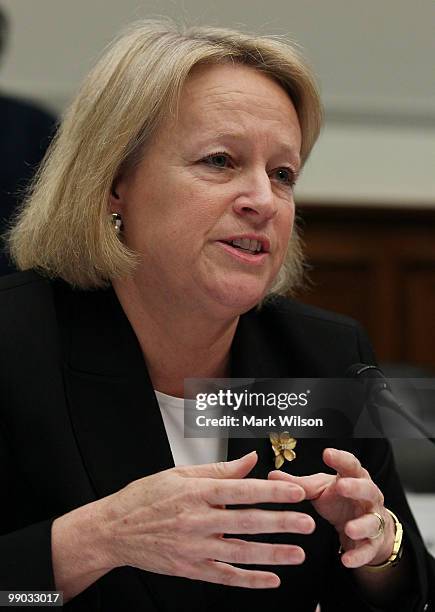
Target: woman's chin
{"type": "Point", "coordinates": [238, 298]}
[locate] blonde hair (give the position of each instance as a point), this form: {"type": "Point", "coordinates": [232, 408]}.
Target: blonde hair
{"type": "Point", "coordinates": [63, 228]}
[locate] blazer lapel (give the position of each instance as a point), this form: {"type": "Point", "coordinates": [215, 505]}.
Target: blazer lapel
{"type": "Point", "coordinates": [253, 355]}
{"type": "Point", "coordinates": [113, 409]}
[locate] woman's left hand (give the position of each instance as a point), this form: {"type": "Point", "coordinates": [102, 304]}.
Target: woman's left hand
{"type": "Point", "coordinates": [348, 500]}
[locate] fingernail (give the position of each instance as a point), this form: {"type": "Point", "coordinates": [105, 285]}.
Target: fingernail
{"type": "Point", "coordinates": [298, 493]}
{"type": "Point", "coordinates": [305, 523]}
{"type": "Point", "coordinates": [247, 455]}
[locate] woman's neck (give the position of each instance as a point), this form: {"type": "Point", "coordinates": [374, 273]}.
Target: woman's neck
{"type": "Point", "coordinates": [177, 342]}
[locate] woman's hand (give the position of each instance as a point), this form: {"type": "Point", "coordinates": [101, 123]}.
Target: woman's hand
{"type": "Point", "coordinates": [347, 501]}
{"type": "Point", "coordinates": [173, 523]}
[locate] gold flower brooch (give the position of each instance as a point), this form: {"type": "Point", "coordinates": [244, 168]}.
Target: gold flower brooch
{"type": "Point", "coordinates": [283, 445]}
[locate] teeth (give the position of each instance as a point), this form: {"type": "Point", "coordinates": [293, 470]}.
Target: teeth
{"type": "Point", "coordinates": [248, 245]}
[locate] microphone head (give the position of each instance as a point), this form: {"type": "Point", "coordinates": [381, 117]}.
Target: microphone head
{"type": "Point", "coordinates": [363, 370]}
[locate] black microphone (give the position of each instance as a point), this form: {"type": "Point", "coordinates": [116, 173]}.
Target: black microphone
{"type": "Point", "coordinates": [380, 394]}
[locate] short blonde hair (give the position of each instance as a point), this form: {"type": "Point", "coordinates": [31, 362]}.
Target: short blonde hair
{"type": "Point", "coordinates": [63, 228]}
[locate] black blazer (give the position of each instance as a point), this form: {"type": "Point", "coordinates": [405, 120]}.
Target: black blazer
{"type": "Point", "coordinates": [79, 420]}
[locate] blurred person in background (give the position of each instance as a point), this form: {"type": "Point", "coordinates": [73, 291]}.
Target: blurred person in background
{"type": "Point", "coordinates": [25, 132]}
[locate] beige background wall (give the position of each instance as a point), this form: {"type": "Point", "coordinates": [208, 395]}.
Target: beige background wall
{"type": "Point", "coordinates": [375, 60]}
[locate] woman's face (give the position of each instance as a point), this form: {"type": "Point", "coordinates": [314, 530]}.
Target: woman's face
{"type": "Point", "coordinates": [223, 172]}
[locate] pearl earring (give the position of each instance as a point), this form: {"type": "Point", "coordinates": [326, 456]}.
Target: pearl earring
{"type": "Point", "coordinates": [116, 221]}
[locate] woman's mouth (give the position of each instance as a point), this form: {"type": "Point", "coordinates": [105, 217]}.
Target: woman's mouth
{"type": "Point", "coordinates": [245, 250]}
{"type": "Point", "coordinates": [246, 244]}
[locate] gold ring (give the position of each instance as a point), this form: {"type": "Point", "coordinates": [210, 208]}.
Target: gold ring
{"type": "Point", "coordinates": [381, 526]}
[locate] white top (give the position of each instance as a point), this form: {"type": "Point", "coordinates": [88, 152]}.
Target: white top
{"type": "Point", "coordinates": [187, 451]}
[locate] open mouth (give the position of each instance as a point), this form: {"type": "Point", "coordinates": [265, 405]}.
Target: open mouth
{"type": "Point", "coordinates": [254, 247]}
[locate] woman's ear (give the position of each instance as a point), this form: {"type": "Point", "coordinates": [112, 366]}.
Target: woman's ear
{"type": "Point", "coordinates": [115, 199]}
{"type": "Point", "coordinates": [119, 194]}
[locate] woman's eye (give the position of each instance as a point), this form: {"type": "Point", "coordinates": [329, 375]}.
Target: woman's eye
{"type": "Point", "coordinates": [286, 176]}
{"type": "Point", "coordinates": [217, 160]}
{"type": "Point", "coordinates": [220, 159]}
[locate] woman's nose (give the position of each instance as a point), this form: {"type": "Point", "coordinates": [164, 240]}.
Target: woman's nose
{"type": "Point", "coordinates": [256, 198]}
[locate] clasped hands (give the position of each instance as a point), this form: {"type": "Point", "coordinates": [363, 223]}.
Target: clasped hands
{"type": "Point", "coordinates": [174, 522]}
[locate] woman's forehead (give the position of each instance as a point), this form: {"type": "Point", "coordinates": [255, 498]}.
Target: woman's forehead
{"type": "Point", "coordinates": [222, 101]}
{"type": "Point", "coordinates": [220, 86]}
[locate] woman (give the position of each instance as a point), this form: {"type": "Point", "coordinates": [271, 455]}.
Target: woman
{"type": "Point", "coordinates": [162, 217]}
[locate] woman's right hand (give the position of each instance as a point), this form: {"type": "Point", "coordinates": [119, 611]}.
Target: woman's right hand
{"type": "Point", "coordinates": [173, 523]}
